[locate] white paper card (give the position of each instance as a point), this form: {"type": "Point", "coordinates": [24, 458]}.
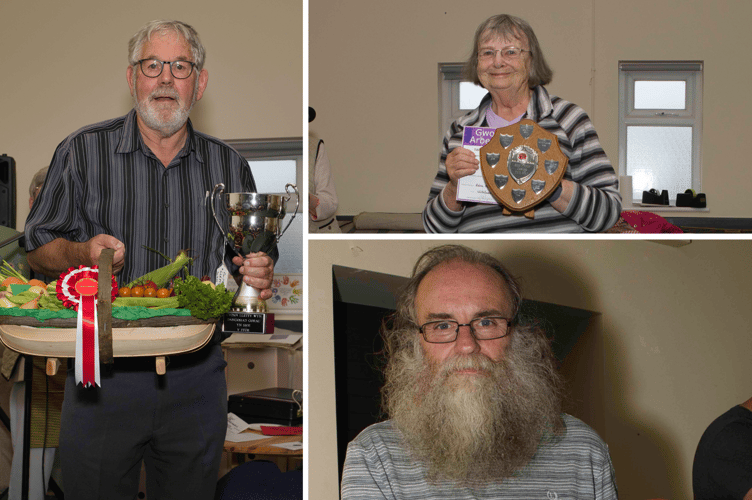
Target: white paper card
{"type": "Point", "coordinates": [235, 430]}
{"type": "Point", "coordinates": [473, 187]}
{"type": "Point", "coordinates": [297, 445]}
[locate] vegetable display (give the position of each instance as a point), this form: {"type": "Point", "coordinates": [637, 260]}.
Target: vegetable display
{"type": "Point", "coordinates": [152, 290]}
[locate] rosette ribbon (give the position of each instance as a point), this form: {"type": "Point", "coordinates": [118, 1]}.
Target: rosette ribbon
{"type": "Point", "coordinates": [77, 289]}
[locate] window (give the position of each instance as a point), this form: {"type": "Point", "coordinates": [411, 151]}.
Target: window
{"type": "Point", "coordinates": [660, 126]}
{"type": "Point", "coordinates": [275, 163]}
{"type": "Point", "coordinates": [456, 95]}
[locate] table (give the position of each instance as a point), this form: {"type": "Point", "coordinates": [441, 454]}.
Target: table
{"type": "Point", "coordinates": [266, 447]}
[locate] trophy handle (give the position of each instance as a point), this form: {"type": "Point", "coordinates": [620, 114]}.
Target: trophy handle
{"type": "Point", "coordinates": [297, 205]}
{"type": "Point", "coordinates": [217, 191]}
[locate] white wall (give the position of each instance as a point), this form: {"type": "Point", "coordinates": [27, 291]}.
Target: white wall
{"type": "Point", "coordinates": [373, 81]}
{"type": "Point", "coordinates": [64, 67]}
{"type": "Point", "coordinates": [675, 336]}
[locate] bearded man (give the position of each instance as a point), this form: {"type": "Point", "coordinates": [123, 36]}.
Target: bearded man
{"type": "Point", "coordinates": [131, 184]}
{"type": "Point", "coordinates": [474, 398]}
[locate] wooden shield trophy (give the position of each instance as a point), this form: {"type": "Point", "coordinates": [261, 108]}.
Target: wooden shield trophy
{"type": "Point", "coordinates": [522, 165]}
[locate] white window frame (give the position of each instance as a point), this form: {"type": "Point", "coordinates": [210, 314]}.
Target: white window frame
{"type": "Point", "coordinates": [688, 71]}
{"type": "Point", "coordinates": [450, 77]}
{"type": "Point", "coordinates": [282, 148]}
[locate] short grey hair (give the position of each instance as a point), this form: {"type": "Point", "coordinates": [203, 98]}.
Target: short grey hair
{"type": "Point", "coordinates": [190, 35]}
{"type": "Point", "coordinates": [37, 181]}
{"type": "Point", "coordinates": [506, 26]}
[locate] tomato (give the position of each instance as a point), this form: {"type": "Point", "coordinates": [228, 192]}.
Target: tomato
{"type": "Point", "coordinates": [124, 292]}
{"type": "Point", "coordinates": [150, 292]}
{"type": "Point", "coordinates": [163, 293]}
{"type": "Point", "coordinates": [137, 291]}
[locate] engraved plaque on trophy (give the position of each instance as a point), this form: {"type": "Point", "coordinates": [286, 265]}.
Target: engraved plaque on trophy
{"type": "Point", "coordinates": [522, 165]}
{"type": "Point", "coordinates": [253, 224]}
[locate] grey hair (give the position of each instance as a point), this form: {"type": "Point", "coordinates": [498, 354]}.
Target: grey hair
{"type": "Point", "coordinates": [37, 181]}
{"type": "Point", "coordinates": [405, 320]}
{"type": "Point", "coordinates": [506, 26]}
{"type": "Point", "coordinates": [190, 35]}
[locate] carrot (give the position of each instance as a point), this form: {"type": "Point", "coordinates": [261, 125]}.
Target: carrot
{"type": "Point", "coordinates": [12, 280]}
{"type": "Point", "coordinates": [31, 304]}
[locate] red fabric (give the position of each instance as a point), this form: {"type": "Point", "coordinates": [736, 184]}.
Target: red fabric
{"type": "Point", "coordinates": [646, 222]}
{"type": "Point", "coordinates": [88, 306]}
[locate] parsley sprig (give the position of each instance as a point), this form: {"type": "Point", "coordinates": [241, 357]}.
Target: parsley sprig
{"type": "Point", "coordinates": [201, 299]}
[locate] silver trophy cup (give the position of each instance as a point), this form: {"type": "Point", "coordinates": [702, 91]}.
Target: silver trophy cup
{"type": "Point", "coordinates": [253, 225]}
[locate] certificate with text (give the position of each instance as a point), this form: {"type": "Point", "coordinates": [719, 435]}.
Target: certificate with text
{"type": "Point", "coordinates": [473, 187]}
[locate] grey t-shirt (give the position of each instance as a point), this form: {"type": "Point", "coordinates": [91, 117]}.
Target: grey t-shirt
{"type": "Point", "coordinates": [575, 466]}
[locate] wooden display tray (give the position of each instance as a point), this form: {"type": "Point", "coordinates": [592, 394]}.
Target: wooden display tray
{"type": "Point", "coordinates": [161, 336]}
{"type": "Point", "coordinates": [56, 338]}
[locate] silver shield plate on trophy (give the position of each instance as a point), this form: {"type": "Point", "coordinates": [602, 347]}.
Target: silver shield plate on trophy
{"type": "Point", "coordinates": [518, 195]}
{"type": "Point", "coordinates": [544, 144]}
{"type": "Point", "coordinates": [551, 166]}
{"type": "Point", "coordinates": [537, 186]}
{"type": "Point", "coordinates": [522, 163]}
{"type": "Point", "coordinates": [526, 130]}
{"type": "Point", "coordinates": [501, 180]}
{"type": "Point", "coordinates": [492, 159]}
{"type": "Point", "coordinates": [506, 140]}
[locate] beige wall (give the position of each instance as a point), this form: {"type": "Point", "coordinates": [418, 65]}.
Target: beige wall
{"type": "Point", "coordinates": [64, 67]}
{"type": "Point", "coordinates": [666, 354]}
{"type": "Point", "coordinates": [373, 82]}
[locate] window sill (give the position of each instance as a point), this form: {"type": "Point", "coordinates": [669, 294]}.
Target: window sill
{"type": "Point", "coordinates": [663, 208]}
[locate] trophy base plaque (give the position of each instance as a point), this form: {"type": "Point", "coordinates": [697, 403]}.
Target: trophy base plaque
{"type": "Point", "coordinates": [243, 322]}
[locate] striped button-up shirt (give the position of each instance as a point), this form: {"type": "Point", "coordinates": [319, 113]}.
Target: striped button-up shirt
{"type": "Point", "coordinates": [103, 179]}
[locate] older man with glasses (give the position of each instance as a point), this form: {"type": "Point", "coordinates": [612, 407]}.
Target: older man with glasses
{"type": "Point", "coordinates": [135, 183]}
{"type": "Point", "coordinates": [474, 398]}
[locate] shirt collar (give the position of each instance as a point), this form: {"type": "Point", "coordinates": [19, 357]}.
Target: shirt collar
{"type": "Point", "coordinates": [540, 104]}
{"type": "Point", "coordinates": [132, 141]}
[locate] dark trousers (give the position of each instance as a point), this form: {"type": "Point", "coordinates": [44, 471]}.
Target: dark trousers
{"type": "Point", "coordinates": [176, 423]}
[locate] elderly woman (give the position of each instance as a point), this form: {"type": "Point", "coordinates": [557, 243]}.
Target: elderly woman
{"type": "Point", "coordinates": [508, 62]}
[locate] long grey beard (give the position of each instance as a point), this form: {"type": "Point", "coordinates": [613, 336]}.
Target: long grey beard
{"type": "Point", "coordinates": [473, 430]}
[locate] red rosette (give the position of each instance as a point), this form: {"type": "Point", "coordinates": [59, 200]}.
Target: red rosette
{"type": "Point", "coordinates": [77, 288]}
{"type": "Point", "coordinates": [66, 285]}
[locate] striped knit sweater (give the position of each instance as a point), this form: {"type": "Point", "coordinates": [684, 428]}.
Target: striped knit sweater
{"type": "Point", "coordinates": [595, 204]}
{"type": "Point", "coordinates": [577, 465]}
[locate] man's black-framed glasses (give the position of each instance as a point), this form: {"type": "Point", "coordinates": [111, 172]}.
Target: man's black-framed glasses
{"type": "Point", "coordinates": [446, 330]}
{"type": "Point", "coordinates": [153, 68]}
